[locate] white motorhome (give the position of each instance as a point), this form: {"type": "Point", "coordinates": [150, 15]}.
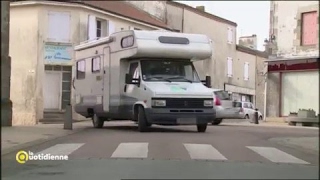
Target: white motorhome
{"type": "Point", "coordinates": [145, 76]}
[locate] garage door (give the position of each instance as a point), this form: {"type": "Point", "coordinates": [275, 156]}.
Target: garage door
{"type": "Point", "coordinates": [300, 90]}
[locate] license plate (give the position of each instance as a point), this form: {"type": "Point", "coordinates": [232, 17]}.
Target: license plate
{"type": "Point", "coordinates": [186, 120]}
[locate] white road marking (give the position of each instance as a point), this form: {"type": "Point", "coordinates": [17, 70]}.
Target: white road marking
{"type": "Point", "coordinates": [61, 149]}
{"type": "Point", "coordinates": [131, 150]}
{"type": "Point", "coordinates": [203, 151]}
{"type": "Point", "coordinates": [276, 155]}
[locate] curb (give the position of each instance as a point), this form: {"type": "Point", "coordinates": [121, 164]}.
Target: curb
{"type": "Point", "coordinates": [36, 142]}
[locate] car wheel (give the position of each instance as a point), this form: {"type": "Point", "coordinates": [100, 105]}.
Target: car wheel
{"type": "Point", "coordinates": [216, 121]}
{"type": "Point", "coordinates": [97, 121]}
{"type": "Point", "coordinates": [142, 120]}
{"type": "Point", "coordinates": [260, 118]}
{"type": "Point", "coordinates": [202, 127]}
{"type": "Point", "coordinates": [246, 116]}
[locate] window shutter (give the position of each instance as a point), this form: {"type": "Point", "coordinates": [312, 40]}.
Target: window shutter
{"type": "Point", "coordinates": [92, 27]}
{"type": "Point", "coordinates": [246, 71]}
{"type": "Point", "coordinates": [230, 35]}
{"type": "Point", "coordinates": [229, 67]}
{"type": "Point", "coordinates": [111, 27]}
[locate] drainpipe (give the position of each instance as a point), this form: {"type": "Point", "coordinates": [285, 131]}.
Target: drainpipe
{"type": "Point", "coordinates": [265, 96]}
{"type": "Point", "coordinates": [182, 22]}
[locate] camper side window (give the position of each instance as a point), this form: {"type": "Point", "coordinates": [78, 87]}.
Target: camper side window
{"type": "Point", "coordinates": [81, 69]}
{"type": "Point", "coordinates": [95, 65]}
{"type": "Point", "coordinates": [134, 70]}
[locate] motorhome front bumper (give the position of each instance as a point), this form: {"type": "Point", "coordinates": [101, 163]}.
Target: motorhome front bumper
{"type": "Point", "coordinates": [164, 116]}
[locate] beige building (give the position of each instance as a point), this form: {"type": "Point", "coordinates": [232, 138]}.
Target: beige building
{"type": "Point", "coordinates": [252, 78]}
{"type": "Point", "coordinates": [42, 36]}
{"type": "Point", "coordinates": [293, 68]}
{"type": "Point", "coordinates": [249, 41]}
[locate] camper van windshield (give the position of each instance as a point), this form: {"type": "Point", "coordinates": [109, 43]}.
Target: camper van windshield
{"type": "Point", "coordinates": [168, 70]}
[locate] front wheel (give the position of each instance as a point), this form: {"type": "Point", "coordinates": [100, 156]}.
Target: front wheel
{"type": "Point", "coordinates": [216, 121]}
{"type": "Point", "coordinates": [142, 120]}
{"type": "Point", "coordinates": [202, 127]}
{"type": "Point", "coordinates": [97, 121]}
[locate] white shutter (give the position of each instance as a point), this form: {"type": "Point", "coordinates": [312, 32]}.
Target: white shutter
{"type": "Point", "coordinates": [92, 27]}
{"type": "Point", "coordinates": [111, 27]}
{"type": "Point", "coordinates": [53, 26]}
{"type": "Point", "coordinates": [246, 71]}
{"type": "Point", "coordinates": [59, 26]}
{"type": "Point", "coordinates": [230, 35]}
{"type": "Point", "coordinates": [229, 66]}
{"type": "Point", "coordinates": [64, 27]}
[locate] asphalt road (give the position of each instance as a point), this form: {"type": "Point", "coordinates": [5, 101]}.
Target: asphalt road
{"type": "Point", "coordinates": [119, 151]}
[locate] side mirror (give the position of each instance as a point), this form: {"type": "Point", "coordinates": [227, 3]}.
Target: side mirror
{"type": "Point", "coordinates": [207, 81]}
{"type": "Point", "coordinates": [130, 80]}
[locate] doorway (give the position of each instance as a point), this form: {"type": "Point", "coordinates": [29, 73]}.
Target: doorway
{"type": "Point", "coordinates": [52, 90]}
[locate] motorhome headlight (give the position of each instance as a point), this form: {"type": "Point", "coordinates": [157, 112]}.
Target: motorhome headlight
{"type": "Point", "coordinates": [160, 103]}
{"type": "Point", "coordinates": [208, 103]}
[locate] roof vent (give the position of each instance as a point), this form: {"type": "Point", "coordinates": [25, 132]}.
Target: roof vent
{"type": "Point", "coordinates": [201, 8]}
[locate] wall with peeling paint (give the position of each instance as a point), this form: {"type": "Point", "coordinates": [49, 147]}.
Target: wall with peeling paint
{"type": "Point", "coordinates": [285, 24]}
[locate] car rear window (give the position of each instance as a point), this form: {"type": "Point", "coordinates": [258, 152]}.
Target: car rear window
{"type": "Point", "coordinates": [222, 95]}
{"type": "Point", "coordinates": [236, 104]}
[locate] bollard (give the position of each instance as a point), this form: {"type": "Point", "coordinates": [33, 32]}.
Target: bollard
{"type": "Point", "coordinates": [68, 118]}
{"type": "Point", "coordinates": [256, 117]}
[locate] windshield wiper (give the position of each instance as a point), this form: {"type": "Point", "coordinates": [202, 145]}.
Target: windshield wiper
{"type": "Point", "coordinates": [180, 77]}
{"type": "Point", "coordinates": [159, 77]}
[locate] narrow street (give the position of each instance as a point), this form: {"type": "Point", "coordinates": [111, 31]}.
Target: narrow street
{"type": "Point", "coordinates": [120, 151]}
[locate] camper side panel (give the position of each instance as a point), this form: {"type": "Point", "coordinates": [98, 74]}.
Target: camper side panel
{"type": "Point", "coordinates": [88, 80]}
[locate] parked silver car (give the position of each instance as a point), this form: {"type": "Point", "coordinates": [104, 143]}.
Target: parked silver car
{"type": "Point", "coordinates": [228, 109]}
{"type": "Point", "coordinates": [246, 110]}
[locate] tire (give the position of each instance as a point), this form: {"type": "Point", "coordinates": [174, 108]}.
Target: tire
{"type": "Point", "coordinates": [142, 120]}
{"type": "Point", "coordinates": [260, 118]}
{"type": "Point", "coordinates": [202, 127]}
{"type": "Point", "coordinates": [216, 121]}
{"type": "Point", "coordinates": [97, 121]}
{"type": "Point", "coordinates": [246, 116]}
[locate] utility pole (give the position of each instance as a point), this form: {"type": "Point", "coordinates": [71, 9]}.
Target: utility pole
{"type": "Point", "coordinates": [6, 104]}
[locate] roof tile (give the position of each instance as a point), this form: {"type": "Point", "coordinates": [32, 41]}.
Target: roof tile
{"type": "Point", "coordinates": [123, 8]}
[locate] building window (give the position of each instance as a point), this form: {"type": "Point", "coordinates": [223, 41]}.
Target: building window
{"type": "Point", "coordinates": [98, 28]}
{"type": "Point", "coordinates": [96, 65]}
{"type": "Point", "coordinates": [246, 71]}
{"type": "Point", "coordinates": [81, 69]}
{"type": "Point", "coordinates": [309, 28]}
{"type": "Point", "coordinates": [59, 26]}
{"type": "Point", "coordinates": [230, 35]}
{"type": "Point", "coordinates": [229, 67]}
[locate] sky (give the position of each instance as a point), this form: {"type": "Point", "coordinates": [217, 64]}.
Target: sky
{"type": "Point", "coordinates": [252, 17]}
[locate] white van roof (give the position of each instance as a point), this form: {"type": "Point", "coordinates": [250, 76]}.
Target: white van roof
{"type": "Point", "coordinates": [163, 44]}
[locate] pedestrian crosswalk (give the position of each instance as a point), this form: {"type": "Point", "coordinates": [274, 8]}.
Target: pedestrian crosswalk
{"type": "Point", "coordinates": [194, 151]}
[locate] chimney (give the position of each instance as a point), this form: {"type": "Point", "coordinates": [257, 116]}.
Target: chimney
{"type": "Point", "coordinates": [201, 8]}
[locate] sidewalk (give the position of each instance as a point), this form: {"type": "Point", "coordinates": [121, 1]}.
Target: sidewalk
{"type": "Point", "coordinates": [20, 137]}
{"type": "Point", "coordinates": [262, 123]}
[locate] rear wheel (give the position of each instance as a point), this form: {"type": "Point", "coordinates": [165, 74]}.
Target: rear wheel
{"type": "Point", "coordinates": [260, 118]}
{"type": "Point", "coordinates": [97, 121]}
{"type": "Point", "coordinates": [142, 120]}
{"type": "Point", "coordinates": [202, 127]}
{"type": "Point", "coordinates": [247, 116]}
{"type": "Point", "coordinates": [216, 121]}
